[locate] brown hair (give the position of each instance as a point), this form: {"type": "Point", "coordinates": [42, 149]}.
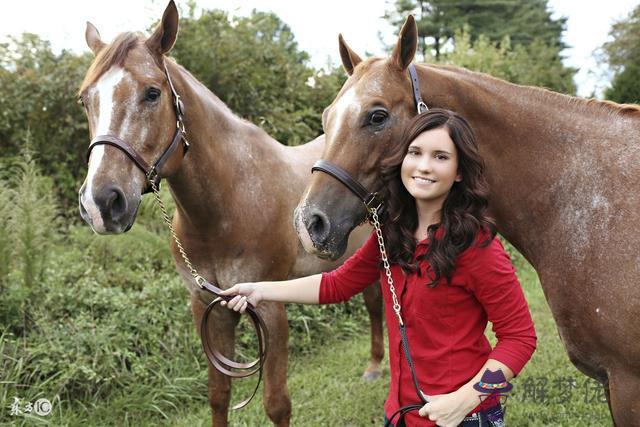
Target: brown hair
{"type": "Point", "coordinates": [464, 211]}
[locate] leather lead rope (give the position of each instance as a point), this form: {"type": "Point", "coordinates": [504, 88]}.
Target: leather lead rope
{"type": "Point", "coordinates": [223, 364]}
{"type": "Point", "coordinates": [400, 413]}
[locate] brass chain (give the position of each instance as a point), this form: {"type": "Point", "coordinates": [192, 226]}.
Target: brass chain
{"type": "Point", "coordinates": [196, 276]}
{"type": "Point", "coordinates": [385, 262]}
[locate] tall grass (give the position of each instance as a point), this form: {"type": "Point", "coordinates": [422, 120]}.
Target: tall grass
{"type": "Point", "coordinates": [28, 231]}
{"type": "Point", "coordinates": [5, 238]}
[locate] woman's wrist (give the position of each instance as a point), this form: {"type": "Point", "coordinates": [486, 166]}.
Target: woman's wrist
{"type": "Point", "coordinates": [469, 397]}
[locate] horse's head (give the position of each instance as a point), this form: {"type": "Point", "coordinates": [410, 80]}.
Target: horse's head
{"type": "Point", "coordinates": [128, 100]}
{"type": "Point", "coordinates": [368, 114]}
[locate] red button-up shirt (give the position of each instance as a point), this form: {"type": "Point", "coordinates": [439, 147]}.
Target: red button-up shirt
{"type": "Point", "coordinates": [445, 324]}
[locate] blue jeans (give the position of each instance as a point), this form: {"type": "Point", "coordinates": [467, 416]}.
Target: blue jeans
{"type": "Point", "coordinates": [490, 417]}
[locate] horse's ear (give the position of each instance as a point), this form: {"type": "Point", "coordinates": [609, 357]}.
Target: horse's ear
{"type": "Point", "coordinates": [349, 58]}
{"type": "Point", "coordinates": [163, 38]}
{"type": "Point", "coordinates": [92, 36]}
{"type": "Point", "coordinates": [405, 49]}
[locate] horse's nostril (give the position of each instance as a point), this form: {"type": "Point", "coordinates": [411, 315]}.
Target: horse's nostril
{"type": "Point", "coordinates": [112, 203]}
{"type": "Point", "coordinates": [318, 227]}
{"type": "Point", "coordinates": [118, 204]}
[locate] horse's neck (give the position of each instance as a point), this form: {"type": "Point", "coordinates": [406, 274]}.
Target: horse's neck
{"type": "Point", "coordinates": [222, 147]}
{"type": "Point", "coordinates": [537, 146]}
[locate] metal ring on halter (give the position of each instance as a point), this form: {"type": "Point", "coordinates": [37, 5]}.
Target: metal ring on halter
{"type": "Point", "coordinates": [422, 107]}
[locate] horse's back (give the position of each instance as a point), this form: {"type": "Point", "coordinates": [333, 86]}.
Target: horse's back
{"type": "Point", "coordinates": [305, 154]}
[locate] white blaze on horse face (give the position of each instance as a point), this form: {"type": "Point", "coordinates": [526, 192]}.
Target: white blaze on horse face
{"type": "Point", "coordinates": [104, 90]}
{"type": "Point", "coordinates": [347, 106]}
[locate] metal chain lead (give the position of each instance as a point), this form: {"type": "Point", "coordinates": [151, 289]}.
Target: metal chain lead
{"type": "Point", "coordinates": [196, 276]}
{"type": "Point", "coordinates": [385, 262]}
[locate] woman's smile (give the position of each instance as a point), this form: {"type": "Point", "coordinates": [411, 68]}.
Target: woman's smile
{"type": "Point", "coordinates": [423, 181]}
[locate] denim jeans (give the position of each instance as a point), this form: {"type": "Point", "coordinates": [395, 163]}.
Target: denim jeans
{"type": "Point", "coordinates": [490, 417]}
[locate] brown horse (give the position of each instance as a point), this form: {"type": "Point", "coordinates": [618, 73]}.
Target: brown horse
{"type": "Point", "coordinates": [563, 173]}
{"type": "Point", "coordinates": [234, 190]}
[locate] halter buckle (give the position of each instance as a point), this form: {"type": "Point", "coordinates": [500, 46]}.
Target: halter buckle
{"type": "Point", "coordinates": [422, 107]}
{"type": "Point", "coordinates": [180, 126]}
{"type": "Point", "coordinates": [152, 175]}
{"type": "Point", "coordinates": [372, 199]}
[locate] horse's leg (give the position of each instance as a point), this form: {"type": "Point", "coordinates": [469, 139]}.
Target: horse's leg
{"type": "Point", "coordinates": [373, 302]}
{"type": "Point", "coordinates": [222, 336]}
{"type": "Point", "coordinates": [624, 388]}
{"type": "Point", "coordinates": [276, 400]}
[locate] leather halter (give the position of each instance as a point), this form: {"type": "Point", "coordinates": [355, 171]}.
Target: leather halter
{"type": "Point", "coordinates": [152, 172]}
{"type": "Point", "coordinates": [369, 198]}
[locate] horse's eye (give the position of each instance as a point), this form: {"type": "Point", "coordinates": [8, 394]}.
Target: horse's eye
{"type": "Point", "coordinates": [152, 94]}
{"type": "Point", "coordinates": [378, 117]}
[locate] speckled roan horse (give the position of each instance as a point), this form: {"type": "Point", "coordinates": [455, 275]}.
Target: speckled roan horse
{"type": "Point", "coordinates": [564, 178]}
{"type": "Point", "coordinates": [235, 191]}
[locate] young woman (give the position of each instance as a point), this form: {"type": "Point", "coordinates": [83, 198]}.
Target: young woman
{"type": "Point", "coordinates": [450, 274]}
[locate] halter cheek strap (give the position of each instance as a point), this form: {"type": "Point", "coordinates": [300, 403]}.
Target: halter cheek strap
{"type": "Point", "coordinates": [415, 84]}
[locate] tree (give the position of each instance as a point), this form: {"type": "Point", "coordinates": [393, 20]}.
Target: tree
{"type": "Point", "coordinates": [515, 40]}
{"type": "Point", "coordinates": [255, 66]}
{"type": "Point", "coordinates": [625, 87]}
{"type": "Point", "coordinates": [534, 65]}
{"type": "Point", "coordinates": [38, 103]}
{"type": "Point", "coordinates": [622, 54]}
{"type": "Point", "coordinates": [438, 20]}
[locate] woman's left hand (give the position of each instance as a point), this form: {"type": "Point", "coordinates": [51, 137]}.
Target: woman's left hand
{"type": "Point", "coordinates": [446, 410]}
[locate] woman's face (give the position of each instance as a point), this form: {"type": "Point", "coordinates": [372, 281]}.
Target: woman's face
{"type": "Point", "coordinates": [430, 167]}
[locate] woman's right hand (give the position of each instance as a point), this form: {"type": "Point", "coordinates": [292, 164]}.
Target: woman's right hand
{"type": "Point", "coordinates": [245, 293]}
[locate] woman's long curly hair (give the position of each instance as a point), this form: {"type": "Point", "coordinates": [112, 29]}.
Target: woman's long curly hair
{"type": "Point", "coordinates": [464, 212]}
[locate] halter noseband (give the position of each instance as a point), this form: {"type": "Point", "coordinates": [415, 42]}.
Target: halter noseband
{"type": "Point", "coordinates": [369, 198]}
{"type": "Point", "coordinates": [151, 172]}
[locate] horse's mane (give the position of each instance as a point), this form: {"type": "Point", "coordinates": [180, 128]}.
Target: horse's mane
{"type": "Point", "coordinates": [112, 54]}
{"type": "Point", "coordinates": [610, 107]}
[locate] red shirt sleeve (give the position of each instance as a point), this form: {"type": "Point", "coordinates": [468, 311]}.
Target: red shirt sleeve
{"type": "Point", "coordinates": [493, 280]}
{"type": "Point", "coordinates": [353, 276]}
